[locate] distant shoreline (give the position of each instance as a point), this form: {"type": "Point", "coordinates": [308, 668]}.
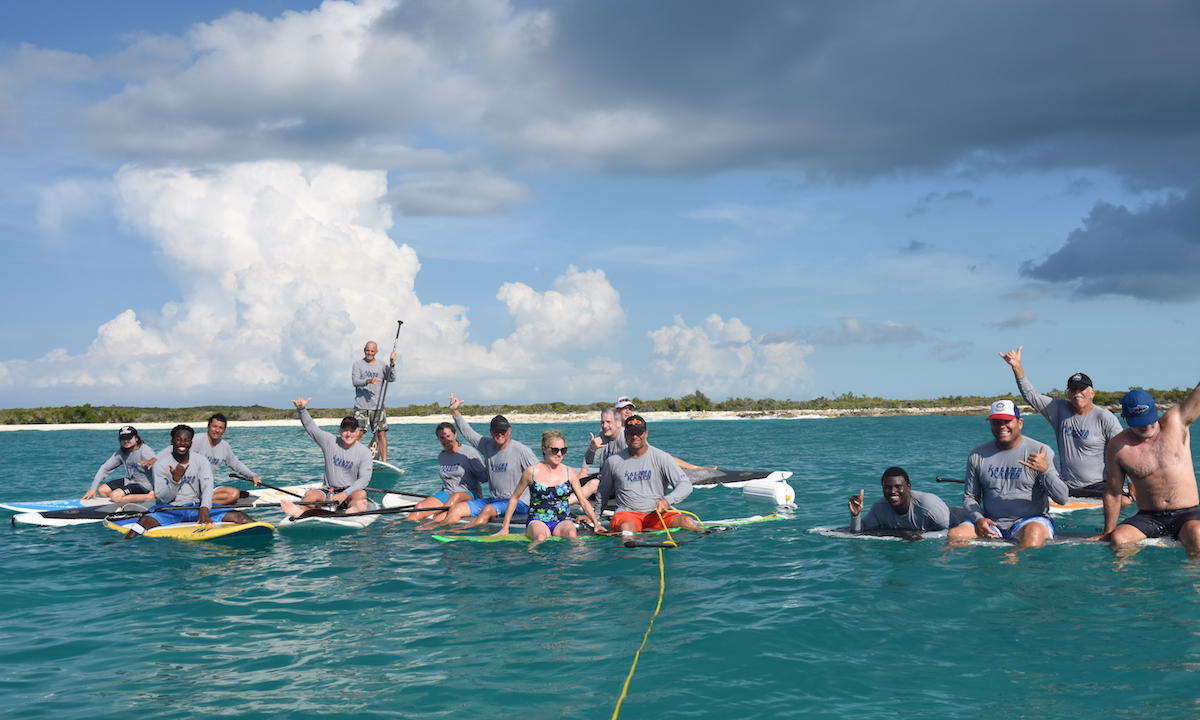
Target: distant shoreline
{"type": "Point", "coordinates": [519, 418]}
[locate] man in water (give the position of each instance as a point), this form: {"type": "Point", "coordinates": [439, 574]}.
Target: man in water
{"type": "Point", "coordinates": [183, 478]}
{"type": "Point", "coordinates": [461, 469]}
{"type": "Point", "coordinates": [347, 466]}
{"type": "Point", "coordinates": [217, 451]}
{"type": "Point", "coordinates": [1009, 484]}
{"type": "Point", "coordinates": [505, 459]}
{"type": "Point", "coordinates": [637, 477]}
{"type": "Point", "coordinates": [900, 508]}
{"type": "Point", "coordinates": [138, 459]}
{"type": "Point", "coordinates": [1082, 429]}
{"type": "Point", "coordinates": [368, 375]}
{"type": "Point", "coordinates": [1155, 452]}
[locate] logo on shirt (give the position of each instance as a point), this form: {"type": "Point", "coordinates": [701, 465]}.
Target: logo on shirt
{"type": "Point", "coordinates": [343, 463]}
{"type": "Point", "coordinates": [1011, 472]}
{"type": "Point", "coordinates": [638, 475]}
{"type": "Point", "coordinates": [1078, 433]}
{"type": "Point", "coordinates": [499, 467]}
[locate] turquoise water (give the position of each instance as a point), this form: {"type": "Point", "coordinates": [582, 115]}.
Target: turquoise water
{"type": "Point", "coordinates": [765, 621]}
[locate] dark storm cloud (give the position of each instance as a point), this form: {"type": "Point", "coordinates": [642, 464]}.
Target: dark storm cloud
{"type": "Point", "coordinates": [1152, 253]}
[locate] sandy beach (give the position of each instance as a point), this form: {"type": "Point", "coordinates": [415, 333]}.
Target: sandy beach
{"type": "Point", "coordinates": [518, 418]}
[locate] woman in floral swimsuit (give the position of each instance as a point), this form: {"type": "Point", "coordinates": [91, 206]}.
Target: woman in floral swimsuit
{"type": "Point", "coordinates": [550, 484]}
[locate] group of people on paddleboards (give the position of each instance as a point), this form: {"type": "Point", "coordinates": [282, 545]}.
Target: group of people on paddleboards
{"type": "Point", "coordinates": [1011, 480]}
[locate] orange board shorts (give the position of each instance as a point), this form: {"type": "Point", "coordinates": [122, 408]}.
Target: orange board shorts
{"type": "Point", "coordinates": [643, 521]}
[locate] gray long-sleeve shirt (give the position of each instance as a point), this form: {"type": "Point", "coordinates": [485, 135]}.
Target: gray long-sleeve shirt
{"type": "Point", "coordinates": [194, 488]}
{"type": "Point", "coordinates": [926, 512]}
{"type": "Point", "coordinates": [608, 449]}
{"type": "Point", "coordinates": [504, 466]}
{"type": "Point", "coordinates": [346, 469]}
{"type": "Point", "coordinates": [999, 487]}
{"type": "Point", "coordinates": [639, 482]}
{"type": "Point", "coordinates": [130, 459]}
{"type": "Point", "coordinates": [1081, 438]}
{"type": "Point", "coordinates": [366, 394]}
{"type": "Point", "coordinates": [462, 471]}
{"type": "Point", "coordinates": [221, 453]}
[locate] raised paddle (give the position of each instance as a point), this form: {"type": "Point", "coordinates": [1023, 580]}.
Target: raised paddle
{"type": "Point", "coordinates": [392, 364]}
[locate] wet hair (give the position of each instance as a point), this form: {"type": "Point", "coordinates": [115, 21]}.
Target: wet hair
{"type": "Point", "coordinates": [550, 435]}
{"type": "Point", "coordinates": [443, 426]}
{"type": "Point", "coordinates": [183, 429]}
{"type": "Point", "coordinates": [895, 471]}
{"type": "Point", "coordinates": [217, 416]}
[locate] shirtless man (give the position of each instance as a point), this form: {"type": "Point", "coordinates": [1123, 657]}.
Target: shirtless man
{"type": "Point", "coordinates": [1155, 452]}
{"type": "Point", "coordinates": [900, 508]}
{"type": "Point", "coordinates": [347, 466]}
{"type": "Point", "coordinates": [1009, 484]}
{"type": "Point", "coordinates": [1082, 429]}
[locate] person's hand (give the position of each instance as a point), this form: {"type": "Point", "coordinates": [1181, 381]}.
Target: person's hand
{"type": "Point", "coordinates": [455, 404]}
{"type": "Point", "coordinates": [257, 481]}
{"type": "Point", "coordinates": [662, 505]}
{"type": "Point", "coordinates": [204, 518]}
{"type": "Point", "coordinates": [372, 381]}
{"type": "Point", "coordinates": [856, 503]}
{"type": "Point", "coordinates": [178, 471]}
{"type": "Point", "coordinates": [1013, 358]}
{"type": "Point", "coordinates": [301, 403]}
{"type": "Point", "coordinates": [89, 494]}
{"type": "Point", "coordinates": [985, 528]}
{"type": "Point", "coordinates": [1037, 461]}
{"type": "Point", "coordinates": [148, 463]}
{"type": "Point", "coordinates": [392, 358]}
{"type": "Point", "coordinates": [596, 442]}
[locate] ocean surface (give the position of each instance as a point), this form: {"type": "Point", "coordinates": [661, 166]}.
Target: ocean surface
{"type": "Point", "coordinates": [764, 621]}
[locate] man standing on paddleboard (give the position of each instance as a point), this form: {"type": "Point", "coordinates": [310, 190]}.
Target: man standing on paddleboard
{"type": "Point", "coordinates": [1082, 429]}
{"type": "Point", "coordinates": [1010, 482]}
{"type": "Point", "coordinates": [506, 460]}
{"type": "Point", "coordinates": [900, 508]}
{"type": "Point", "coordinates": [182, 477]}
{"type": "Point", "coordinates": [368, 375]}
{"type": "Point", "coordinates": [347, 465]}
{"type": "Point", "coordinates": [1155, 452]}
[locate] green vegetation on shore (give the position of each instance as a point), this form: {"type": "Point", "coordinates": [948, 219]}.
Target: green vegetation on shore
{"type": "Point", "coordinates": [694, 402]}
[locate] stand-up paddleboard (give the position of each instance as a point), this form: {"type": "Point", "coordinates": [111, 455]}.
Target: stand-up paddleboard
{"type": "Point", "coordinates": [401, 499]}
{"type": "Point", "coordinates": [381, 472]}
{"type": "Point", "coordinates": [196, 531]}
{"type": "Point", "coordinates": [1062, 538]}
{"type": "Point", "coordinates": [712, 477]}
{"type": "Point", "coordinates": [333, 519]}
{"type": "Point", "coordinates": [732, 522]}
{"type": "Point", "coordinates": [93, 512]}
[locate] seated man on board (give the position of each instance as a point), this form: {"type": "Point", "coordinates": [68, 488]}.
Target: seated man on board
{"type": "Point", "coordinates": [183, 478]}
{"type": "Point", "coordinates": [1010, 482]}
{"type": "Point", "coordinates": [461, 469]}
{"type": "Point", "coordinates": [1155, 452]}
{"type": "Point", "coordinates": [637, 477]}
{"type": "Point", "coordinates": [347, 466]}
{"type": "Point", "coordinates": [1082, 429]}
{"type": "Point", "coordinates": [138, 458]}
{"type": "Point", "coordinates": [505, 458]}
{"type": "Point", "coordinates": [216, 449]}
{"type": "Point", "coordinates": [900, 508]}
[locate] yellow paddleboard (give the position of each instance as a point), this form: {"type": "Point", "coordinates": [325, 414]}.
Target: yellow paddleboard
{"type": "Point", "coordinates": [195, 531]}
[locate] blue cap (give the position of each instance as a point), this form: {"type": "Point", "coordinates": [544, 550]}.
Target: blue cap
{"type": "Point", "coordinates": [1138, 408]}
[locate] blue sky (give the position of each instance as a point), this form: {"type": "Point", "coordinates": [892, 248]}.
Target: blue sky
{"type": "Point", "coordinates": [218, 202]}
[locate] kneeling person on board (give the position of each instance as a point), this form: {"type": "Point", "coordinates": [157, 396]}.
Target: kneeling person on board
{"type": "Point", "coordinates": [216, 449]}
{"type": "Point", "coordinates": [347, 466]}
{"type": "Point", "coordinates": [550, 496]}
{"type": "Point", "coordinates": [900, 508]}
{"type": "Point", "coordinates": [1155, 452]}
{"type": "Point", "coordinates": [183, 478]}
{"type": "Point", "coordinates": [1010, 482]}
{"type": "Point", "coordinates": [138, 458]}
{"type": "Point", "coordinates": [506, 460]}
{"type": "Point", "coordinates": [637, 477]}
{"type": "Point", "coordinates": [461, 469]}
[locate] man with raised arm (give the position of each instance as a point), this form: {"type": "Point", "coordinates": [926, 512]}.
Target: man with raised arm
{"type": "Point", "coordinates": [1082, 429]}
{"type": "Point", "coordinates": [900, 508]}
{"type": "Point", "coordinates": [505, 458]}
{"type": "Point", "coordinates": [1010, 482]}
{"type": "Point", "coordinates": [368, 375]}
{"type": "Point", "coordinates": [347, 465]}
{"type": "Point", "coordinates": [1155, 452]}
{"type": "Point", "coordinates": [183, 478]}
{"type": "Point", "coordinates": [639, 477]}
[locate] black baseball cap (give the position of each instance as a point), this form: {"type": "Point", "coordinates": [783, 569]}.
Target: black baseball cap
{"type": "Point", "coordinates": [349, 422]}
{"type": "Point", "coordinates": [127, 431]}
{"type": "Point", "coordinates": [1079, 380]}
{"type": "Point", "coordinates": [635, 424]}
{"type": "Point", "coordinates": [499, 424]}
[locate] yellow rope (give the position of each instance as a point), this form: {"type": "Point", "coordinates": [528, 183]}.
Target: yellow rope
{"type": "Point", "coordinates": [662, 572]}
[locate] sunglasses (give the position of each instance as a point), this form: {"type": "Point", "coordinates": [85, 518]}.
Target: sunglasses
{"type": "Point", "coordinates": [560, 450]}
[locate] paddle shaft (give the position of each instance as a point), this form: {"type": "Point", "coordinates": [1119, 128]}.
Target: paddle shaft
{"type": "Point", "coordinates": [392, 364]}
{"type": "Point", "coordinates": [949, 479]}
{"type": "Point", "coordinates": [391, 511]}
{"type": "Point", "coordinates": [240, 476]}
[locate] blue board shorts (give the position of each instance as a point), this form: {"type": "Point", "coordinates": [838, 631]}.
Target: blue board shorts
{"type": "Point", "coordinates": [501, 505]}
{"type": "Point", "coordinates": [186, 515]}
{"type": "Point", "coordinates": [1011, 532]}
{"type": "Point", "coordinates": [443, 496]}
